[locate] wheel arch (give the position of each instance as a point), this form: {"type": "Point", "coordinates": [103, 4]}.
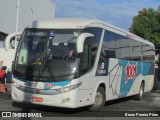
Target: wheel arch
{"type": "Point", "coordinates": [100, 84]}
{"type": "Point", "coordinates": [101, 90]}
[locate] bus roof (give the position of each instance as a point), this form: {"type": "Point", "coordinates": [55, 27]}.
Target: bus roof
{"type": "Point", "coordinates": [59, 23]}
{"type": "Point", "coordinates": [79, 23]}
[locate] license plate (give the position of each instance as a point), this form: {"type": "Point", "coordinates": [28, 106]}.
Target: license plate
{"type": "Point", "coordinates": [37, 99]}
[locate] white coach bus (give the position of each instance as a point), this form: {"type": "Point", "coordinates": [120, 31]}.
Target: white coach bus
{"type": "Point", "coordinates": [80, 62]}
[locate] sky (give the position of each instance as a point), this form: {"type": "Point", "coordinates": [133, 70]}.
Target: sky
{"type": "Point", "coordinates": [116, 12]}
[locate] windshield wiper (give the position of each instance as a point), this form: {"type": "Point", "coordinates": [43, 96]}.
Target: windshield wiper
{"type": "Point", "coordinates": [51, 72]}
{"type": "Point", "coordinates": [44, 61]}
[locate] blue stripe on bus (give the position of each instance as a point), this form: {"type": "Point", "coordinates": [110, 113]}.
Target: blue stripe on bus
{"type": "Point", "coordinates": [48, 85]}
{"type": "Point", "coordinates": [146, 68]}
{"type": "Point", "coordinates": [18, 78]}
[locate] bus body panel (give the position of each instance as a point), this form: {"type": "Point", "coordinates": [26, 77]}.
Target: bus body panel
{"type": "Point", "coordinates": [118, 85]}
{"type": "Point", "coordinates": [62, 100]}
{"type": "Point", "coordinates": [69, 99]}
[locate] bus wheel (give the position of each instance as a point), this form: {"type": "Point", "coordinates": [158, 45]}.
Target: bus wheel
{"type": "Point", "coordinates": [141, 92]}
{"type": "Point", "coordinates": [99, 101]}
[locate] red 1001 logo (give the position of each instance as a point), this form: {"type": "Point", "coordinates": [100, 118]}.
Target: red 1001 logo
{"type": "Point", "coordinates": [131, 71]}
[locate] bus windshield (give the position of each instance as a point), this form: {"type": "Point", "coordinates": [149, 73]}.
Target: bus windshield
{"type": "Point", "coordinates": [47, 55]}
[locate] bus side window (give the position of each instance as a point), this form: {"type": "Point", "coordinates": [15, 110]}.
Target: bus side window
{"type": "Point", "coordinates": [88, 57]}
{"type": "Point", "coordinates": [84, 66]}
{"type": "Point", "coordinates": [103, 56]}
{"type": "Point", "coordinates": [93, 52]}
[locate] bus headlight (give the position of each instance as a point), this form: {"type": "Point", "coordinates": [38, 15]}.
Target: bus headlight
{"type": "Point", "coordinates": [15, 84]}
{"type": "Point", "coordinates": [69, 88]}
{"type": "Point", "coordinates": [74, 69]}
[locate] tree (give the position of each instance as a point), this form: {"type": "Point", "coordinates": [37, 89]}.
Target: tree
{"type": "Point", "coordinates": [147, 25]}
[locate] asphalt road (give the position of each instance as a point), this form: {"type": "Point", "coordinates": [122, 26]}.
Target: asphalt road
{"type": "Point", "coordinates": [118, 108]}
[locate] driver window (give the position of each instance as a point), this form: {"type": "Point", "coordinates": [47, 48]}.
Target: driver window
{"type": "Point", "coordinates": [90, 49]}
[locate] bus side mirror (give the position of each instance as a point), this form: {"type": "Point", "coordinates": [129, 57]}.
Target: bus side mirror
{"type": "Point", "coordinates": [80, 41]}
{"type": "Point", "coordinates": [9, 37]}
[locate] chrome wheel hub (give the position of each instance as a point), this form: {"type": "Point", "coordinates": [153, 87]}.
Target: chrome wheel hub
{"type": "Point", "coordinates": [98, 100]}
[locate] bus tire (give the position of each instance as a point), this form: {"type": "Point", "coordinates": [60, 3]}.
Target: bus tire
{"type": "Point", "coordinates": [99, 101]}
{"type": "Point", "coordinates": [139, 96]}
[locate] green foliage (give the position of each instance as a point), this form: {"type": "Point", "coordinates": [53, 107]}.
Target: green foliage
{"type": "Point", "coordinates": [147, 25]}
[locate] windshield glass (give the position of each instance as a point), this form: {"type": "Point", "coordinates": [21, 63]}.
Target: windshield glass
{"type": "Point", "coordinates": [47, 55]}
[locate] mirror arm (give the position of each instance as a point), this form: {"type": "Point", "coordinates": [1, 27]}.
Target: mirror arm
{"type": "Point", "coordinates": [81, 39]}
{"type": "Point", "coordinates": [8, 39]}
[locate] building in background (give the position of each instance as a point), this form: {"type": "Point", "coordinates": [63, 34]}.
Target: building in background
{"type": "Point", "coordinates": [29, 10]}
